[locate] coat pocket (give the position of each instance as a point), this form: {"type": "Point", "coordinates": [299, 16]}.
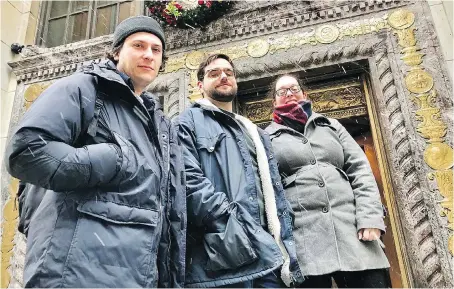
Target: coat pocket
{"type": "Point", "coordinates": [113, 246]}
{"type": "Point", "coordinates": [210, 143]}
{"type": "Point", "coordinates": [230, 249]}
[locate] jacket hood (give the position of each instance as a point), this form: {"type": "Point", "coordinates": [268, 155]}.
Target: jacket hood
{"type": "Point", "coordinates": [107, 70]}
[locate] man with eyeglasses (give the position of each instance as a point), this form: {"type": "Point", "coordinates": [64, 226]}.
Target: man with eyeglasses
{"type": "Point", "coordinates": [239, 223]}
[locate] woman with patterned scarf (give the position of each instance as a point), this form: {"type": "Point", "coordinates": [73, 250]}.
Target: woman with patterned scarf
{"type": "Point", "coordinates": [338, 216]}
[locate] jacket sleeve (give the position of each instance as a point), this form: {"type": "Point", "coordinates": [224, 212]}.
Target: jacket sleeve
{"type": "Point", "coordinates": [369, 212]}
{"type": "Point", "coordinates": [173, 240]}
{"type": "Point", "coordinates": [205, 205]}
{"type": "Point", "coordinates": [41, 150]}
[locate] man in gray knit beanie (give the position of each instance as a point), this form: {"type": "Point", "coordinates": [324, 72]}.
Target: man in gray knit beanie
{"type": "Point", "coordinates": [137, 50]}
{"type": "Point", "coordinates": [103, 201]}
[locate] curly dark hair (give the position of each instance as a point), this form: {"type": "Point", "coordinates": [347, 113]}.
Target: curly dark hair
{"type": "Point", "coordinates": [272, 87]}
{"type": "Point", "coordinates": [208, 60]}
{"type": "Point", "coordinates": [116, 50]}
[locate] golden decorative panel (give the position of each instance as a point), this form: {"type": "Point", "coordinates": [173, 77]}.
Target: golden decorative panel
{"type": "Point", "coordinates": [9, 225]}
{"type": "Point", "coordinates": [339, 101]}
{"type": "Point", "coordinates": [259, 111]}
{"type": "Point", "coordinates": [438, 155]}
{"type": "Point", "coordinates": [335, 98]}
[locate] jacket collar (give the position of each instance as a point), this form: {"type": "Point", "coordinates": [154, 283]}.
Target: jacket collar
{"type": "Point", "coordinates": [205, 104]}
{"type": "Point", "coordinates": [107, 70]}
{"type": "Point", "coordinates": [316, 118]}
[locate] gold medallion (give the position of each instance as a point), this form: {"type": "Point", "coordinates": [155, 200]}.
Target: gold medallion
{"type": "Point", "coordinates": [419, 81]}
{"type": "Point", "coordinates": [194, 58]}
{"type": "Point", "coordinates": [439, 156]}
{"type": "Point", "coordinates": [401, 19]}
{"type": "Point", "coordinates": [326, 34]}
{"type": "Point", "coordinates": [258, 48]}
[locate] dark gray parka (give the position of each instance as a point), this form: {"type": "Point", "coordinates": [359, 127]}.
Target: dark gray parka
{"type": "Point", "coordinates": [330, 186]}
{"type": "Point", "coordinates": [226, 242]}
{"type": "Point", "coordinates": [114, 213]}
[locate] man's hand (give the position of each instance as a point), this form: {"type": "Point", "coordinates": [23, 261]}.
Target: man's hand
{"type": "Point", "coordinates": [369, 234]}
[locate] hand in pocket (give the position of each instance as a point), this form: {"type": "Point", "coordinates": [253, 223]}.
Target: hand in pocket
{"type": "Point", "coordinates": [229, 249]}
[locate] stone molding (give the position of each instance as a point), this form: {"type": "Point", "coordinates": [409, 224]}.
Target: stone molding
{"type": "Point", "coordinates": [41, 64]}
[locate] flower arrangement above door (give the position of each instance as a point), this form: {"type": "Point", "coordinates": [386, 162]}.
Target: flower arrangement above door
{"type": "Point", "coordinates": [187, 13]}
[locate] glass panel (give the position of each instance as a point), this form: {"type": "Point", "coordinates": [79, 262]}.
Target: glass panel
{"type": "Point", "coordinates": [56, 32]}
{"type": "Point", "coordinates": [105, 2]}
{"type": "Point", "coordinates": [77, 27]}
{"type": "Point", "coordinates": [58, 8]}
{"type": "Point", "coordinates": [105, 20]}
{"type": "Point", "coordinates": [125, 11]}
{"type": "Point", "coordinates": [79, 5]}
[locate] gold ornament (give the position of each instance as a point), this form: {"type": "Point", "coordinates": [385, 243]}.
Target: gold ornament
{"type": "Point", "coordinates": [327, 34]}
{"type": "Point", "coordinates": [444, 184]}
{"type": "Point", "coordinates": [419, 81]}
{"type": "Point", "coordinates": [34, 90]}
{"type": "Point", "coordinates": [258, 48]}
{"type": "Point", "coordinates": [439, 156]}
{"type": "Point", "coordinates": [175, 64]}
{"type": "Point", "coordinates": [425, 100]}
{"type": "Point", "coordinates": [401, 19]}
{"type": "Point", "coordinates": [406, 37]}
{"type": "Point", "coordinates": [194, 58]}
{"type": "Point", "coordinates": [411, 56]}
{"type": "Point", "coordinates": [9, 225]}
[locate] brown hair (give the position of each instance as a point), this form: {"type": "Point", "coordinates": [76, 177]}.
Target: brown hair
{"type": "Point", "coordinates": [208, 60]}
{"type": "Point", "coordinates": [272, 88]}
{"type": "Point", "coordinates": [114, 51]}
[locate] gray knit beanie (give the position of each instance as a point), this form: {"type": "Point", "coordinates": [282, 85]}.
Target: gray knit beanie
{"type": "Point", "coordinates": [137, 24]}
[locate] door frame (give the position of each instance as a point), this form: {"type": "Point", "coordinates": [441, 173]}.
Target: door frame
{"type": "Point", "coordinates": [388, 190]}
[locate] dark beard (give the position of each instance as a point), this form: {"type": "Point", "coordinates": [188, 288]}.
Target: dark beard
{"type": "Point", "coordinates": [223, 97]}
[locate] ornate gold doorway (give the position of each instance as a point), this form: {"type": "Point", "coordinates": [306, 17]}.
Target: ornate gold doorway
{"type": "Point", "coordinates": [346, 97]}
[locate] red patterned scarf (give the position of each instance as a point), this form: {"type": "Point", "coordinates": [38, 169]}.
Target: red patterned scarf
{"type": "Point", "coordinates": [297, 111]}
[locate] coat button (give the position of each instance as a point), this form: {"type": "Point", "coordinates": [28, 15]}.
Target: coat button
{"type": "Point", "coordinates": [210, 149]}
{"type": "Point", "coordinates": [313, 162]}
{"type": "Point", "coordinates": [304, 140]}
{"type": "Point", "coordinates": [321, 184]}
{"type": "Point", "coordinates": [325, 209]}
{"type": "Point", "coordinates": [271, 156]}
{"type": "Point", "coordinates": [251, 198]}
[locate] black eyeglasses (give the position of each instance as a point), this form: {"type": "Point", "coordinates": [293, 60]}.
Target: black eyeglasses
{"type": "Point", "coordinates": [283, 91]}
{"type": "Point", "coordinates": [217, 72]}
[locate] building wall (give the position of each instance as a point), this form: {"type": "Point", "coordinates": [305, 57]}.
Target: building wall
{"type": "Point", "coordinates": [442, 14]}
{"type": "Point", "coordinates": [18, 25]}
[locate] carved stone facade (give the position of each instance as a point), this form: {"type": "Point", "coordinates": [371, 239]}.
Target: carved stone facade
{"type": "Point", "coordinates": [410, 98]}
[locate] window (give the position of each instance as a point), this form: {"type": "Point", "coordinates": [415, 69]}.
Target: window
{"type": "Point", "coordinates": [71, 21]}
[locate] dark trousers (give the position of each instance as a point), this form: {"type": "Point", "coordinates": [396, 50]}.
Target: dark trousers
{"type": "Point", "coordinates": [377, 278]}
{"type": "Point", "coordinates": [271, 280]}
